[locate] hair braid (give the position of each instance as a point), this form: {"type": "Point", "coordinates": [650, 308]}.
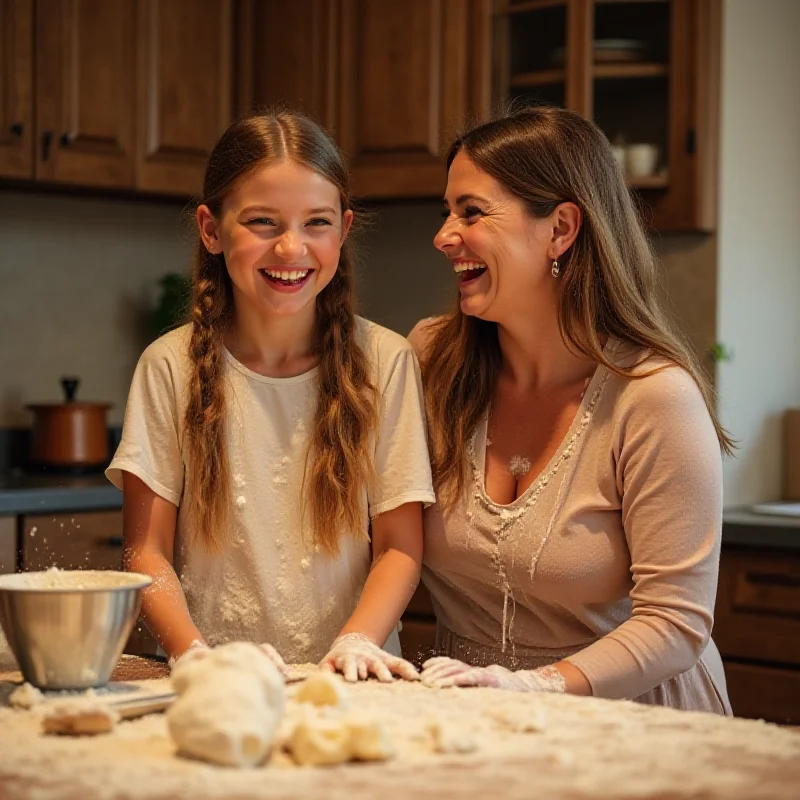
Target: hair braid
{"type": "Point", "coordinates": [208, 484]}
{"type": "Point", "coordinates": [346, 414]}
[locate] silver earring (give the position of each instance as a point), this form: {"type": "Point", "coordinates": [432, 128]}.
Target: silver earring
{"type": "Point", "coordinates": [555, 269]}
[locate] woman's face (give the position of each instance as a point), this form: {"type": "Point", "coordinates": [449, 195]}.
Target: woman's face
{"type": "Point", "coordinates": [281, 230]}
{"type": "Point", "coordinates": [501, 255]}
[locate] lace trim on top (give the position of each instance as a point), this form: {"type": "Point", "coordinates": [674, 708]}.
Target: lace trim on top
{"type": "Point", "coordinates": [508, 515]}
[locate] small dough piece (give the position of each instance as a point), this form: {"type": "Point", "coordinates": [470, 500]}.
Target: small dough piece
{"type": "Point", "coordinates": [369, 739]}
{"type": "Point", "coordinates": [231, 702]}
{"type": "Point", "coordinates": [323, 689]}
{"type": "Point", "coordinates": [321, 742]}
{"type": "Point", "coordinates": [26, 696]}
{"type": "Point", "coordinates": [79, 717]}
{"type": "Point", "coordinates": [450, 738]}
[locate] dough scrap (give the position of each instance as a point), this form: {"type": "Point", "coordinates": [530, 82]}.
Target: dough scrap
{"type": "Point", "coordinates": [26, 696]}
{"type": "Point", "coordinates": [231, 700]}
{"type": "Point", "coordinates": [450, 738]}
{"type": "Point", "coordinates": [79, 717]}
{"type": "Point", "coordinates": [369, 739]}
{"type": "Point", "coordinates": [319, 739]}
{"type": "Point", "coordinates": [323, 689]}
{"type": "Point", "coordinates": [321, 742]}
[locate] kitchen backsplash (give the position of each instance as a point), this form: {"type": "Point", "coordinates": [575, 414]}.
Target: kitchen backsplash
{"type": "Point", "coordinates": [79, 277]}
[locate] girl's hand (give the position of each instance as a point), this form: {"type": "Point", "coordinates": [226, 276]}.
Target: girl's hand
{"type": "Point", "coordinates": [357, 657]}
{"type": "Point", "coordinates": [285, 670]}
{"type": "Point", "coordinates": [443, 672]}
{"type": "Point", "coordinates": [196, 649]}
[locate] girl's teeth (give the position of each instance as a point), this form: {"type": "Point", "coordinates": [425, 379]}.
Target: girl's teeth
{"type": "Point", "coordinates": [286, 275]}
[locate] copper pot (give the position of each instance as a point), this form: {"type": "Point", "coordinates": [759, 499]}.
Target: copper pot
{"type": "Point", "coordinates": [71, 434]}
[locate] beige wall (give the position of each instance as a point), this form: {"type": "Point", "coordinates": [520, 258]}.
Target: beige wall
{"type": "Point", "coordinates": [759, 239]}
{"type": "Point", "coordinates": [79, 276]}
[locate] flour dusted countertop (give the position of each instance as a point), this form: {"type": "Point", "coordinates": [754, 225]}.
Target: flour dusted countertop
{"type": "Point", "coordinates": [521, 746]}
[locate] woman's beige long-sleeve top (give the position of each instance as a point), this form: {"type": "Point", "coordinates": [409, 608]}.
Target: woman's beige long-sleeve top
{"type": "Point", "coordinates": [610, 559]}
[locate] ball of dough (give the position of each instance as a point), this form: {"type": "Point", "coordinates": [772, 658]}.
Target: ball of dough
{"type": "Point", "coordinates": [369, 740]}
{"type": "Point", "coordinates": [323, 689]}
{"type": "Point", "coordinates": [231, 701]}
{"type": "Point", "coordinates": [321, 742]}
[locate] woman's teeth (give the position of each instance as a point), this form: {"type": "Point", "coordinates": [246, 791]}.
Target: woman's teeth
{"type": "Point", "coordinates": [467, 270]}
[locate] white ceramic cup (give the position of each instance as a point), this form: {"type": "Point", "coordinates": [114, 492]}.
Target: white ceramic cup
{"type": "Point", "coordinates": [620, 155]}
{"type": "Point", "coordinates": [641, 160]}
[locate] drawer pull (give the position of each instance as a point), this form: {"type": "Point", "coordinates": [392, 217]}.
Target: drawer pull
{"type": "Point", "coordinates": [113, 541]}
{"type": "Point", "coordinates": [773, 593]}
{"type": "Point", "coordinates": [773, 579]}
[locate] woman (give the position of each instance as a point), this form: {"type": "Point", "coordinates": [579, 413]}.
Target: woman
{"type": "Point", "coordinates": [574, 443]}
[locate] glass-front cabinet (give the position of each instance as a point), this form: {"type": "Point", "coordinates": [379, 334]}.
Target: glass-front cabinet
{"type": "Point", "coordinates": [646, 71]}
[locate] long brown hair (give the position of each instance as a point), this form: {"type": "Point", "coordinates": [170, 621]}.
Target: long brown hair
{"type": "Point", "coordinates": [608, 285]}
{"type": "Point", "coordinates": [338, 465]}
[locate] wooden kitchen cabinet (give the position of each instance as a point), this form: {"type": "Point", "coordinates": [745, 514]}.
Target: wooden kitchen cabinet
{"type": "Point", "coordinates": [16, 88]}
{"type": "Point", "coordinates": [295, 63]}
{"type": "Point", "coordinates": [8, 545]}
{"type": "Point", "coordinates": [86, 540]}
{"type": "Point", "coordinates": [120, 94]}
{"type": "Point", "coordinates": [392, 81]}
{"type": "Point", "coordinates": [418, 633]}
{"type": "Point", "coordinates": [647, 71]}
{"type": "Point", "coordinates": [85, 81]}
{"type": "Point", "coordinates": [185, 92]}
{"type": "Point", "coordinates": [411, 74]}
{"type": "Point", "coordinates": [757, 630]}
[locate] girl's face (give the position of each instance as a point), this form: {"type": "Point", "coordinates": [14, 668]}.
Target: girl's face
{"type": "Point", "coordinates": [500, 253]}
{"type": "Point", "coordinates": [281, 230]}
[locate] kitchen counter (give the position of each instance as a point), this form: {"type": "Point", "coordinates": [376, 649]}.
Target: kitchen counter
{"type": "Point", "coordinates": [743, 527]}
{"type": "Point", "coordinates": [35, 493]}
{"type": "Point", "coordinates": [502, 743]}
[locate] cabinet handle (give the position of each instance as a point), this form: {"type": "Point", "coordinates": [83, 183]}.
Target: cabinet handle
{"type": "Point", "coordinates": [17, 129]}
{"type": "Point", "coordinates": [47, 140]}
{"type": "Point", "coordinates": [65, 139]}
{"type": "Point", "coordinates": [113, 541]}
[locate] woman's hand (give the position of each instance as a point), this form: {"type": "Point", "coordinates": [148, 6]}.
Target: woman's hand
{"type": "Point", "coordinates": [442, 672]}
{"type": "Point", "coordinates": [357, 657]}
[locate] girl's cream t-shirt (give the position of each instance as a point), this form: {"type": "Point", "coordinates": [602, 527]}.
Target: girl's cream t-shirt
{"type": "Point", "coordinates": [271, 583]}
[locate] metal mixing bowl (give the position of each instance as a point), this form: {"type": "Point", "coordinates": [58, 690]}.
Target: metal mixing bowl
{"type": "Point", "coordinates": [67, 628]}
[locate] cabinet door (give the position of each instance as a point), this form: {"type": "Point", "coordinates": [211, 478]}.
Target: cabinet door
{"type": "Point", "coordinates": [184, 91]}
{"type": "Point", "coordinates": [292, 63]}
{"type": "Point", "coordinates": [85, 92]}
{"type": "Point", "coordinates": [8, 544]}
{"type": "Point", "coordinates": [411, 73]}
{"type": "Point", "coordinates": [16, 88]}
{"type": "Point", "coordinates": [89, 540]}
{"type": "Point", "coordinates": [542, 52]}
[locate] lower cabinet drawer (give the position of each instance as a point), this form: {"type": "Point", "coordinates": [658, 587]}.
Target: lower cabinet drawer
{"type": "Point", "coordinates": [761, 692]}
{"type": "Point", "coordinates": [89, 540]}
{"type": "Point", "coordinates": [418, 640]}
{"type": "Point", "coordinates": [757, 616]}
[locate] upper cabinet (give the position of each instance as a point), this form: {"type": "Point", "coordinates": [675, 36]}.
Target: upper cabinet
{"type": "Point", "coordinates": [84, 92]}
{"type": "Point", "coordinates": [16, 88]}
{"type": "Point", "coordinates": [184, 90]}
{"type": "Point", "coordinates": [294, 63]}
{"type": "Point", "coordinates": [133, 94]}
{"type": "Point", "coordinates": [126, 94]}
{"type": "Point", "coordinates": [392, 81]}
{"type": "Point", "coordinates": [411, 74]}
{"type": "Point", "coordinates": [647, 71]}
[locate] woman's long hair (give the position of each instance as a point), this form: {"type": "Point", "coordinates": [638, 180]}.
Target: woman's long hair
{"type": "Point", "coordinates": [607, 285]}
{"type": "Point", "coordinates": [338, 463]}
